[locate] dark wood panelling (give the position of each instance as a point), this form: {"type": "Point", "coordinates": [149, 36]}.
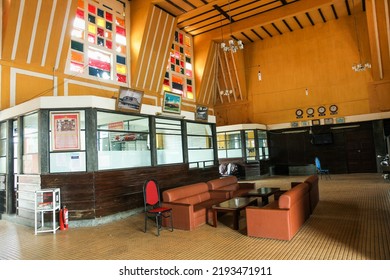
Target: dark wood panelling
{"type": "Point", "coordinates": [2, 202]}
{"type": "Point", "coordinates": [97, 194]}
{"type": "Point", "coordinates": [77, 192]}
{"type": "Point", "coordinates": [352, 150]}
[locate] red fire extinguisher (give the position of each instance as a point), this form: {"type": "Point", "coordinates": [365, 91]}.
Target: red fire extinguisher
{"type": "Point", "coordinates": [64, 218]}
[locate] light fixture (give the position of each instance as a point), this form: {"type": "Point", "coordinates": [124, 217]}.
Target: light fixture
{"type": "Point", "coordinates": [358, 67]}
{"type": "Point", "coordinates": [232, 45]}
{"type": "Point", "coordinates": [226, 92]}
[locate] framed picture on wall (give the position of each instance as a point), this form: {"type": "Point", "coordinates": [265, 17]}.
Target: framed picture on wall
{"type": "Point", "coordinates": [171, 103]}
{"type": "Point", "coordinates": [129, 100]}
{"type": "Point", "coordinates": [201, 113]}
{"type": "Point", "coordinates": [65, 130]}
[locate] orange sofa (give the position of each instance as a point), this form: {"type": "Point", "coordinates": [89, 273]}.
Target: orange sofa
{"type": "Point", "coordinates": [231, 185]}
{"type": "Point", "coordinates": [314, 192]}
{"type": "Point", "coordinates": [190, 204]}
{"type": "Point", "coordinates": [282, 218]}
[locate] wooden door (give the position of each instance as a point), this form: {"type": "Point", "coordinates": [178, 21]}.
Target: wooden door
{"type": "Point", "coordinates": [360, 150]}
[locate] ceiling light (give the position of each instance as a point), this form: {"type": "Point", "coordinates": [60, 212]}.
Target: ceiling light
{"type": "Point", "coordinates": [232, 45]}
{"type": "Point", "coordinates": [358, 67]}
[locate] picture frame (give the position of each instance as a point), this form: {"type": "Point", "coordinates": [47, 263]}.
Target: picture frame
{"type": "Point", "coordinates": [129, 100]}
{"type": "Point", "coordinates": [315, 122]}
{"type": "Point", "coordinates": [201, 113]}
{"type": "Point", "coordinates": [328, 121]}
{"type": "Point", "coordinates": [171, 103]}
{"type": "Point", "coordinates": [65, 130]}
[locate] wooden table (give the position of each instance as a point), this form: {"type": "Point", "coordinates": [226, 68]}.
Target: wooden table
{"type": "Point", "coordinates": [234, 205]}
{"type": "Point", "coordinates": [264, 193]}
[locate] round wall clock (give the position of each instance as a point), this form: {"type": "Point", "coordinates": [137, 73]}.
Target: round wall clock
{"type": "Point", "coordinates": [333, 108]}
{"type": "Point", "coordinates": [310, 111]}
{"type": "Point", "coordinates": [299, 113]}
{"type": "Point", "coordinates": [321, 109]}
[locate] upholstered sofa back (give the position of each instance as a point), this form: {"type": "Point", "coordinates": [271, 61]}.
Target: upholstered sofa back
{"type": "Point", "coordinates": [189, 194]}
{"type": "Point", "coordinates": [293, 196]}
{"type": "Point", "coordinates": [228, 183]}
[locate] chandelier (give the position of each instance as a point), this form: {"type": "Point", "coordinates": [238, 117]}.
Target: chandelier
{"type": "Point", "coordinates": [359, 67]}
{"type": "Point", "coordinates": [226, 92]}
{"type": "Point", "coordinates": [232, 45]}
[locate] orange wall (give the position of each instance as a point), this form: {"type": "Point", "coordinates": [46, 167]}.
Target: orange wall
{"type": "Point", "coordinates": [318, 59]}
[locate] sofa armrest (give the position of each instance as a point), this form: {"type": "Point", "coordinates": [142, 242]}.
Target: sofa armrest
{"type": "Point", "coordinates": [182, 214]}
{"type": "Point", "coordinates": [268, 223]}
{"type": "Point", "coordinates": [220, 194]}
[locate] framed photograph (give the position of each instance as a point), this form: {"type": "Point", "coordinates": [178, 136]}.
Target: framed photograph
{"type": "Point", "coordinates": [294, 124]}
{"type": "Point", "coordinates": [129, 100]}
{"type": "Point", "coordinates": [171, 103]}
{"type": "Point", "coordinates": [315, 122]}
{"type": "Point", "coordinates": [65, 130]}
{"type": "Point", "coordinates": [305, 123]}
{"type": "Point", "coordinates": [201, 113]}
{"type": "Point", "coordinates": [328, 121]}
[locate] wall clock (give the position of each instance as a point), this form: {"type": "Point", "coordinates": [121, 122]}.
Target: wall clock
{"type": "Point", "coordinates": [299, 113]}
{"type": "Point", "coordinates": [321, 110]}
{"type": "Point", "coordinates": [310, 111]}
{"type": "Point", "coordinates": [333, 108]}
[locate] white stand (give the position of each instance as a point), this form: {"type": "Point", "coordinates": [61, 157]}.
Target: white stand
{"type": "Point", "coordinates": [46, 201]}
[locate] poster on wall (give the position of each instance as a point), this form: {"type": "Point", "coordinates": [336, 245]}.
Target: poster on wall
{"type": "Point", "coordinates": [65, 131]}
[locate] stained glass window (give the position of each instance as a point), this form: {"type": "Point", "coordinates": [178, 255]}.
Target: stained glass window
{"type": "Point", "coordinates": [179, 77]}
{"type": "Point", "coordinates": [98, 44]}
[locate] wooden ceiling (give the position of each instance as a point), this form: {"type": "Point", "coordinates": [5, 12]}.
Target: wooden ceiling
{"type": "Point", "coordinates": [253, 20]}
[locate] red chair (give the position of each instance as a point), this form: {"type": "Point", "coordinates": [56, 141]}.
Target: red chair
{"type": "Point", "coordinates": [153, 207]}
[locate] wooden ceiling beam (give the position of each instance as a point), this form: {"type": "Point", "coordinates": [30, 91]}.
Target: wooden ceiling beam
{"type": "Point", "coordinates": [284, 12]}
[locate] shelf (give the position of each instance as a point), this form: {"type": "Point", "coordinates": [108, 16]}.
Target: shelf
{"type": "Point", "coordinates": [47, 201]}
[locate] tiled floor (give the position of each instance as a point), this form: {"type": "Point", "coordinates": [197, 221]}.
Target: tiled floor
{"type": "Point", "coordinates": [351, 222]}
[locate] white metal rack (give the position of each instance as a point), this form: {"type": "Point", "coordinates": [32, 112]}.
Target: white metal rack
{"type": "Point", "coordinates": [47, 201]}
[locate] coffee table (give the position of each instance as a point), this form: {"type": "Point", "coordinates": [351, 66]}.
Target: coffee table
{"type": "Point", "coordinates": [264, 193]}
{"type": "Point", "coordinates": [234, 206]}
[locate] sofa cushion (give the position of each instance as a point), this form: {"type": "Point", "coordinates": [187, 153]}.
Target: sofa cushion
{"type": "Point", "coordinates": [195, 199]}
{"type": "Point", "coordinates": [287, 199]}
{"type": "Point", "coordinates": [184, 191]}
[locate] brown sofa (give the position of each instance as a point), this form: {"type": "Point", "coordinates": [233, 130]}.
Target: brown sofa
{"type": "Point", "coordinates": [190, 204]}
{"type": "Point", "coordinates": [314, 192]}
{"type": "Point", "coordinates": [282, 218]}
{"type": "Point", "coordinates": [231, 185]}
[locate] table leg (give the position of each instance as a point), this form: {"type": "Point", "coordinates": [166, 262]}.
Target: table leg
{"type": "Point", "coordinates": [214, 217]}
{"type": "Point", "coordinates": [265, 200]}
{"type": "Point", "coordinates": [236, 219]}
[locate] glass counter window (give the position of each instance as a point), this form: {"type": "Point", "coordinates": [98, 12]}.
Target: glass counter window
{"type": "Point", "coordinates": [250, 145]}
{"type": "Point", "coordinates": [229, 144]}
{"type": "Point", "coordinates": [123, 141]}
{"type": "Point", "coordinates": [200, 145]}
{"type": "Point", "coordinates": [169, 141]}
{"type": "Point", "coordinates": [263, 145]}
